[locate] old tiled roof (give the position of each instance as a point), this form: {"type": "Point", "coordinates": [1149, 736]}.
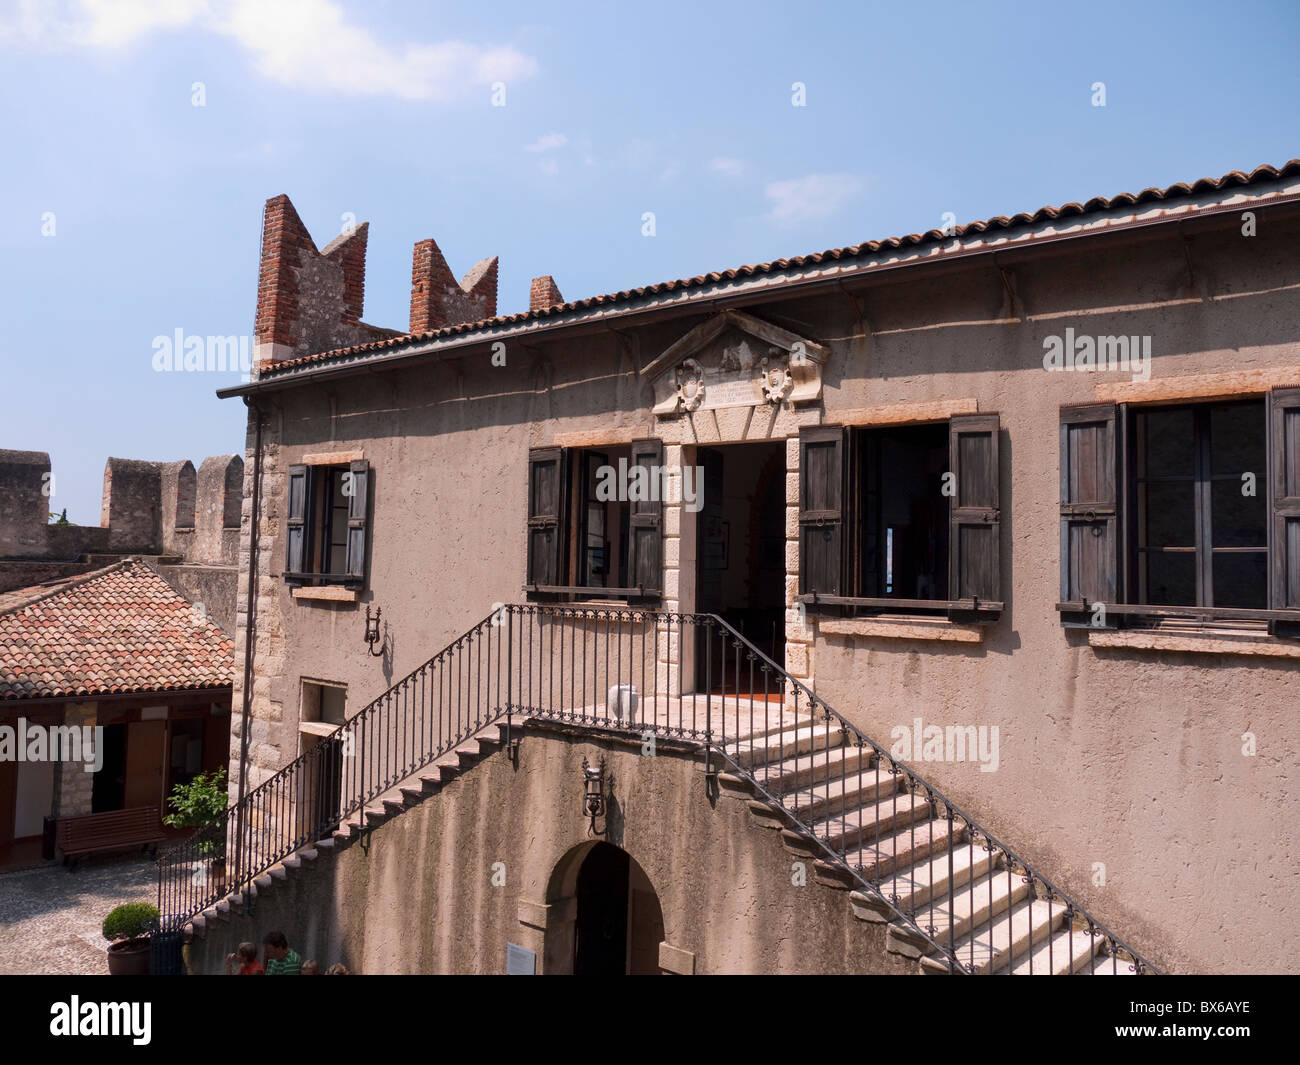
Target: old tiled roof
{"type": "Point", "coordinates": [117, 630]}
{"type": "Point", "coordinates": [871, 247]}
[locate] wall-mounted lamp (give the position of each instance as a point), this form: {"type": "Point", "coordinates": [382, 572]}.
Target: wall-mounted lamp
{"type": "Point", "coordinates": [372, 632]}
{"type": "Point", "coordinates": [593, 792]}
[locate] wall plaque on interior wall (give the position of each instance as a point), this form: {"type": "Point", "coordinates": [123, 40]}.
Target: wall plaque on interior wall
{"type": "Point", "coordinates": [520, 961]}
{"type": "Point", "coordinates": [736, 360]}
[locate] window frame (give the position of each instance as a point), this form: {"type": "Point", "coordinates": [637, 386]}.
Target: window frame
{"type": "Point", "coordinates": [1127, 612]}
{"type": "Point", "coordinates": [851, 519]}
{"type": "Point", "coordinates": [315, 526]}
{"type": "Point", "coordinates": [567, 519]}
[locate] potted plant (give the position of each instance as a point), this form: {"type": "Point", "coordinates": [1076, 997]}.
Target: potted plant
{"type": "Point", "coordinates": [127, 929]}
{"type": "Point", "coordinates": [201, 805]}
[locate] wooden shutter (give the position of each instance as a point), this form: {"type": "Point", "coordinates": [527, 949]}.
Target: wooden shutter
{"type": "Point", "coordinates": [1284, 501]}
{"type": "Point", "coordinates": [358, 530]}
{"type": "Point", "coordinates": [974, 541]}
{"type": "Point", "coordinates": [546, 540]}
{"type": "Point", "coordinates": [296, 559]}
{"type": "Point", "coordinates": [645, 558]}
{"type": "Point", "coordinates": [1090, 533]}
{"type": "Point", "coordinates": [821, 510]}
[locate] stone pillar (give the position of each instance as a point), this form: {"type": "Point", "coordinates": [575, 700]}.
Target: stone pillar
{"type": "Point", "coordinates": [73, 787]}
{"type": "Point", "coordinates": [798, 630]}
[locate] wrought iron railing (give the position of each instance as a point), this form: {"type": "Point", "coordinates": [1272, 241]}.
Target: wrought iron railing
{"type": "Point", "coordinates": [685, 677]}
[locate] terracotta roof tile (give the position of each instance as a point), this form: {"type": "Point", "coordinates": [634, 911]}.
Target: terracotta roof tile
{"type": "Point", "coordinates": [871, 247]}
{"type": "Point", "coordinates": [117, 630]}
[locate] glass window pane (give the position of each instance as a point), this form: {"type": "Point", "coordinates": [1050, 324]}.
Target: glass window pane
{"type": "Point", "coordinates": [1165, 444]}
{"type": "Point", "coordinates": [1237, 440]}
{"type": "Point", "coordinates": [1167, 515]}
{"type": "Point", "coordinates": [1238, 520]}
{"type": "Point", "coordinates": [1168, 579]}
{"type": "Point", "coordinates": [1241, 579]}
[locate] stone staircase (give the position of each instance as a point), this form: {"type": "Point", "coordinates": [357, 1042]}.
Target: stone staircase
{"type": "Point", "coordinates": [408, 793]}
{"type": "Point", "coordinates": [836, 806]}
{"type": "Point", "coordinates": [841, 806]}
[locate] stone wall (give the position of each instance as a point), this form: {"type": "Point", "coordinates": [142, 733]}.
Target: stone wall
{"type": "Point", "coordinates": [418, 895]}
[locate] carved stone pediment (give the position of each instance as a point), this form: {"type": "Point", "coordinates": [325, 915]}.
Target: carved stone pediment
{"type": "Point", "coordinates": [736, 360]}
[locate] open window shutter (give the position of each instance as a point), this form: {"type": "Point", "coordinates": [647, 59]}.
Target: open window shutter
{"type": "Point", "coordinates": [1089, 504]}
{"type": "Point", "coordinates": [645, 569]}
{"type": "Point", "coordinates": [821, 510]}
{"type": "Point", "coordinates": [358, 531]}
{"type": "Point", "coordinates": [296, 520]}
{"type": "Point", "coordinates": [545, 515]}
{"type": "Point", "coordinates": [1284, 500]}
{"type": "Point", "coordinates": [974, 542]}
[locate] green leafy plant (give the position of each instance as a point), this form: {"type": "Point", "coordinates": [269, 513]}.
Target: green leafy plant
{"type": "Point", "coordinates": [201, 804]}
{"type": "Point", "coordinates": [133, 920]}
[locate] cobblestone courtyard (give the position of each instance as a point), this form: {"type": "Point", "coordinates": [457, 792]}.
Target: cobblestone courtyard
{"type": "Point", "coordinates": [50, 917]}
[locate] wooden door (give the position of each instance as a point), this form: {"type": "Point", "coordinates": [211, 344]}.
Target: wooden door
{"type": "Point", "coordinates": [145, 749]}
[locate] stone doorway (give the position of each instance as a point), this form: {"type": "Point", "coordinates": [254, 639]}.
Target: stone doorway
{"type": "Point", "coordinates": [612, 922]}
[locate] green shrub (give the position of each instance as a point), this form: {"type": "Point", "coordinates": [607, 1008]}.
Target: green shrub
{"type": "Point", "coordinates": [199, 804]}
{"type": "Point", "coordinates": [130, 921]}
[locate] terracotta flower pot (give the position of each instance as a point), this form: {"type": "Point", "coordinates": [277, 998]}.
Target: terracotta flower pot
{"type": "Point", "coordinates": [129, 957]}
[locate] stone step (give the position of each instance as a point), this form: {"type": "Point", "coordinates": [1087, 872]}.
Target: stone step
{"type": "Point", "coordinates": [866, 824]}
{"type": "Point", "coordinates": [808, 770]}
{"type": "Point", "coordinates": [374, 815]}
{"type": "Point", "coordinates": [913, 844]}
{"type": "Point", "coordinates": [278, 872]}
{"type": "Point", "coordinates": [969, 909]}
{"type": "Point", "coordinates": [412, 796]}
{"type": "Point", "coordinates": [392, 807]}
{"type": "Point", "coordinates": [985, 950]}
{"type": "Point", "coordinates": [1062, 954]}
{"type": "Point", "coordinates": [294, 861]}
{"type": "Point", "coordinates": [923, 884]}
{"type": "Point", "coordinates": [782, 746]}
{"type": "Point", "coordinates": [841, 795]}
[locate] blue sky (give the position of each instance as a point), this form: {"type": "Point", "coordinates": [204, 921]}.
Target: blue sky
{"type": "Point", "coordinates": [384, 110]}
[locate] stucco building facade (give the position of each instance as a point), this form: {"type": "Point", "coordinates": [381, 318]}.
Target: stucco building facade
{"type": "Point", "coordinates": [1032, 482]}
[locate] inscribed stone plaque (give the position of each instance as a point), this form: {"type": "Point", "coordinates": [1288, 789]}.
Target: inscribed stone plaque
{"type": "Point", "coordinates": [734, 393]}
{"type": "Point", "coordinates": [520, 961]}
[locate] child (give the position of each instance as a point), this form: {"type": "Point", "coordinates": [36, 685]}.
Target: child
{"type": "Point", "coordinates": [337, 969]}
{"type": "Point", "coordinates": [250, 965]}
{"type": "Point", "coordinates": [310, 968]}
{"type": "Point", "coordinates": [280, 959]}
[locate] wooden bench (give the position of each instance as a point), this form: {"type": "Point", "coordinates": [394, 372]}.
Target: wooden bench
{"type": "Point", "coordinates": [114, 830]}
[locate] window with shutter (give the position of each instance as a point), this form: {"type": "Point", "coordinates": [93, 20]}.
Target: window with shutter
{"type": "Point", "coordinates": [358, 499]}
{"type": "Point", "coordinates": [974, 541]}
{"type": "Point", "coordinates": [296, 561]}
{"type": "Point", "coordinates": [645, 547]}
{"type": "Point", "coordinates": [1089, 505]}
{"type": "Point", "coordinates": [1284, 504]}
{"type": "Point", "coordinates": [327, 524]}
{"type": "Point", "coordinates": [821, 509]}
{"type": "Point", "coordinates": [546, 512]}
{"type": "Point", "coordinates": [595, 522]}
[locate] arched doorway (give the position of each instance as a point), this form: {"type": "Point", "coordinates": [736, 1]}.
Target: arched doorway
{"type": "Point", "coordinates": [616, 924]}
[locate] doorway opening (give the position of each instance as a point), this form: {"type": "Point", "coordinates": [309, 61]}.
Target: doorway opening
{"type": "Point", "coordinates": [617, 924]}
{"type": "Point", "coordinates": [740, 558]}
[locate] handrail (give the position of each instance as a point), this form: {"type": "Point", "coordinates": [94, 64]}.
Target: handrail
{"type": "Point", "coordinates": [934, 796]}
{"type": "Point", "coordinates": [597, 667]}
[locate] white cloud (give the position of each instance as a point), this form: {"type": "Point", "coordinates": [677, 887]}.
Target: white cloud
{"type": "Point", "coordinates": [721, 164]}
{"type": "Point", "coordinates": [548, 143]}
{"type": "Point", "coordinates": [671, 172]}
{"type": "Point", "coordinates": [807, 198]}
{"type": "Point", "coordinates": [305, 44]}
{"type": "Point", "coordinates": [550, 167]}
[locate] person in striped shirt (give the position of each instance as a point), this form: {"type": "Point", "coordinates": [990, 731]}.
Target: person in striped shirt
{"type": "Point", "coordinates": [280, 960]}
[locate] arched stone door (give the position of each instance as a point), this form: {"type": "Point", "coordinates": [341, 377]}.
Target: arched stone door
{"type": "Point", "coordinates": [609, 918]}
